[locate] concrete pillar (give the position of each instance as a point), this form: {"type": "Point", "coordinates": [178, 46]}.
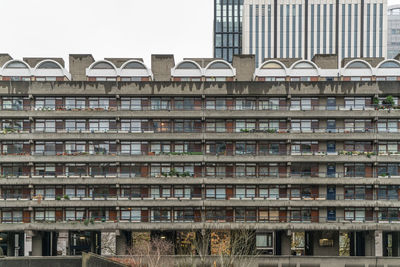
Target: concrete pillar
{"type": "Point", "coordinates": [108, 243]}
{"type": "Point", "coordinates": [378, 244]}
{"type": "Point", "coordinates": [28, 243]}
{"type": "Point", "coordinates": [37, 245]}
{"type": "Point", "coordinates": [62, 243]}
{"type": "Point", "coordinates": [121, 246]}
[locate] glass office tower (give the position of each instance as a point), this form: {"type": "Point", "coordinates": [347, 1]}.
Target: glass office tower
{"type": "Point", "coordinates": [393, 31]}
{"type": "Point", "coordinates": [227, 28]}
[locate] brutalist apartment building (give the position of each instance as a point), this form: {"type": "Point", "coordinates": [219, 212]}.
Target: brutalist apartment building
{"type": "Point", "coordinates": [301, 153]}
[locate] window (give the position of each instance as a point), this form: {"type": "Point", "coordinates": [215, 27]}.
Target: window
{"type": "Point", "coordinates": [304, 147]}
{"type": "Point", "coordinates": [245, 104]}
{"type": "Point", "coordinates": [218, 192]}
{"type": "Point", "coordinates": [10, 148]}
{"type": "Point", "coordinates": [45, 103]}
{"type": "Point", "coordinates": [75, 103]}
{"type": "Point", "coordinates": [48, 126]}
{"type": "Point", "coordinates": [72, 147]}
{"type": "Point", "coordinates": [78, 169]}
{"type": "Point", "coordinates": [128, 170]}
{"type": "Point", "coordinates": [102, 147]}
{"type": "Point", "coordinates": [135, 126]}
{"type": "Point", "coordinates": [245, 125]}
{"type": "Point", "coordinates": [357, 170]}
{"type": "Point", "coordinates": [128, 103]}
{"type": "Point", "coordinates": [160, 104]}
{"type": "Point", "coordinates": [351, 214]}
{"type": "Point", "coordinates": [75, 125]}
{"type": "Point", "coordinates": [387, 170]}
{"type": "Point", "coordinates": [390, 126]}
{"type": "Point", "coordinates": [13, 103]}
{"type": "Point", "coordinates": [245, 148]}
{"type": "Point", "coordinates": [356, 103]}
{"type": "Point", "coordinates": [248, 170]}
{"type": "Point", "coordinates": [388, 214]}
{"type": "Point", "coordinates": [304, 125]}
{"type": "Point", "coordinates": [272, 104]}
{"type": "Point", "coordinates": [358, 126]}
{"type": "Point", "coordinates": [216, 126]}
{"type": "Point", "coordinates": [331, 103]}
{"type": "Point", "coordinates": [269, 170]}
{"type": "Point", "coordinates": [160, 215]}
{"type": "Point", "coordinates": [302, 103]}
{"type": "Point", "coordinates": [187, 104]}
{"type": "Point", "coordinates": [388, 147]}
{"type": "Point", "coordinates": [99, 125]}
{"type": "Point", "coordinates": [184, 215]}
{"type": "Point", "coordinates": [217, 104]}
{"type": "Point", "coordinates": [99, 103]}
{"type": "Point", "coordinates": [130, 214]}
{"type": "Point", "coordinates": [48, 148]}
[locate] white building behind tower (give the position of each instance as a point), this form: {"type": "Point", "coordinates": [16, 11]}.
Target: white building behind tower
{"type": "Point", "coordinates": [303, 28]}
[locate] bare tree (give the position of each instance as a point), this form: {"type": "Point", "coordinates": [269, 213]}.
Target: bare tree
{"type": "Point", "coordinates": [150, 253]}
{"type": "Point", "coordinates": [222, 248]}
{"type": "Point", "coordinates": [237, 248]}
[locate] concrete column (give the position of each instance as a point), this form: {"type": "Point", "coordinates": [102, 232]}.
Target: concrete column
{"type": "Point", "coordinates": [62, 243]}
{"type": "Point", "coordinates": [378, 244]}
{"type": "Point", "coordinates": [37, 249]}
{"type": "Point", "coordinates": [108, 243]}
{"type": "Point", "coordinates": [28, 243]}
{"type": "Point", "coordinates": [121, 243]}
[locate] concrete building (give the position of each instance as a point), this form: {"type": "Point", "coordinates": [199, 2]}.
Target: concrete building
{"type": "Point", "coordinates": [227, 28]}
{"type": "Point", "coordinates": [393, 31]}
{"type": "Point", "coordinates": [302, 154]}
{"type": "Point", "coordinates": [304, 28]}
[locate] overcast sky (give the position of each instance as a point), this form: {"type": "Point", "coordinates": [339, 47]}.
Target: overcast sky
{"type": "Point", "coordinates": [108, 28]}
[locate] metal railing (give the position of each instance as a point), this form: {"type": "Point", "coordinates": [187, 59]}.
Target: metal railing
{"type": "Point", "coordinates": [197, 175]}
{"type": "Point", "coordinates": [207, 218]}
{"type": "Point", "coordinates": [253, 106]}
{"type": "Point", "coordinates": [204, 196]}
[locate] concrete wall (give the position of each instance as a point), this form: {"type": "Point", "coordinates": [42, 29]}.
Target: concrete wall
{"type": "Point", "coordinates": [78, 65]}
{"type": "Point", "coordinates": [93, 260]}
{"type": "Point", "coordinates": [286, 243]}
{"type": "Point", "coordinates": [4, 58]}
{"type": "Point", "coordinates": [325, 251]}
{"type": "Point", "coordinates": [37, 245]}
{"type": "Point", "coordinates": [161, 66]}
{"type": "Point", "coordinates": [245, 65]}
{"type": "Point", "coordinates": [326, 61]}
{"type": "Point", "coordinates": [41, 262]}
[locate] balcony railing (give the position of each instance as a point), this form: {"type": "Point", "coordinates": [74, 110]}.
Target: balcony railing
{"type": "Point", "coordinates": [203, 129]}
{"type": "Point", "coordinates": [204, 196]}
{"type": "Point", "coordinates": [200, 107]}
{"type": "Point", "coordinates": [204, 219]}
{"type": "Point", "coordinates": [197, 175]}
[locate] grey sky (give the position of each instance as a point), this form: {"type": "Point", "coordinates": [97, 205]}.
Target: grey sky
{"type": "Point", "coordinates": [108, 28]}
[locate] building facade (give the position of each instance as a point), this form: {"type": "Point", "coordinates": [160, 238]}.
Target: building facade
{"type": "Point", "coordinates": [302, 154]}
{"type": "Point", "coordinates": [393, 31]}
{"type": "Point", "coordinates": [303, 28]}
{"type": "Point", "coordinates": [227, 28]}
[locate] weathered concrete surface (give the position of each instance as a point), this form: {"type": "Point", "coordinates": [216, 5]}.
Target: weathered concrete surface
{"type": "Point", "coordinates": [292, 261]}
{"type": "Point", "coordinates": [166, 87]}
{"type": "Point", "coordinates": [41, 262]}
{"type": "Point", "coordinates": [93, 260]}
